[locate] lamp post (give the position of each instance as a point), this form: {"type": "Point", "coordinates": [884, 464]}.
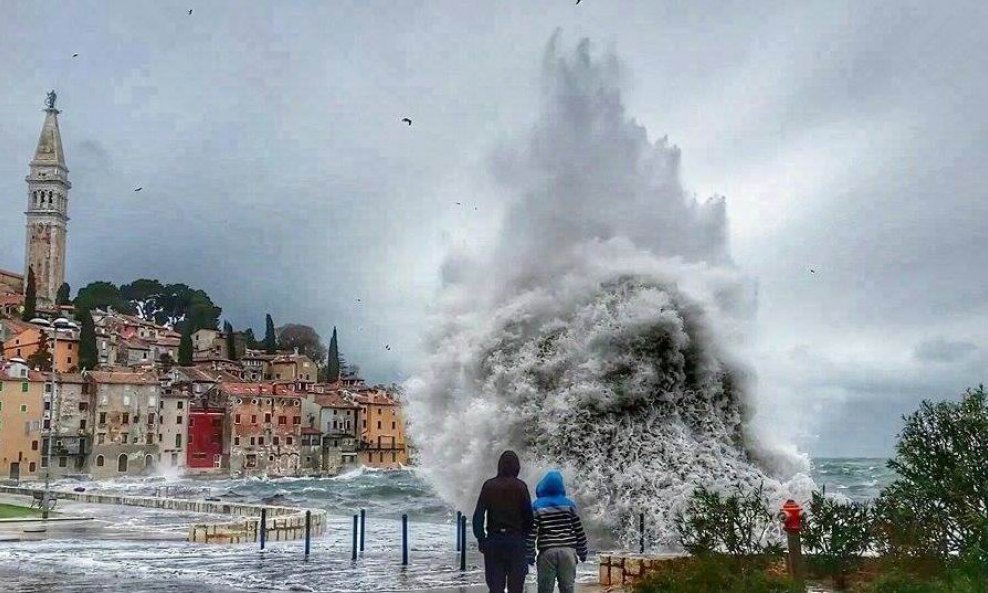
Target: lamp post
{"type": "Point", "coordinates": [59, 324]}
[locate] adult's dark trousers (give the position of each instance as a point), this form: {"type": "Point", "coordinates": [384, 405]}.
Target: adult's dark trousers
{"type": "Point", "coordinates": [505, 564]}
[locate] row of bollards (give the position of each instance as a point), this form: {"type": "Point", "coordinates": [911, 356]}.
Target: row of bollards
{"type": "Point", "coordinates": [359, 526]}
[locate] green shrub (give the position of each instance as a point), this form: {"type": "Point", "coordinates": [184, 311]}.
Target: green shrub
{"type": "Point", "coordinates": [938, 506]}
{"type": "Point", "coordinates": [715, 574]}
{"type": "Point", "coordinates": [737, 523]}
{"type": "Point", "coordinates": [837, 533]}
{"type": "Point", "coordinates": [962, 578]}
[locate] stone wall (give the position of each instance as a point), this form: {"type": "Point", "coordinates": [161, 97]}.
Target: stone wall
{"type": "Point", "coordinates": [284, 523]}
{"type": "Point", "coordinates": [622, 569]}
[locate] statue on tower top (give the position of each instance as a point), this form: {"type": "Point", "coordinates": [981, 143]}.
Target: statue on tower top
{"type": "Point", "coordinates": [50, 99]}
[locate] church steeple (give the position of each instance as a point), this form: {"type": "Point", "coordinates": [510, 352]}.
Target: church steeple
{"type": "Point", "coordinates": [47, 208]}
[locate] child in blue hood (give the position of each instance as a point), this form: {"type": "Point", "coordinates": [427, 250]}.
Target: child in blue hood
{"type": "Point", "coordinates": [557, 533]}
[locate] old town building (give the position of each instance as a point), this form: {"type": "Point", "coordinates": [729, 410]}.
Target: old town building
{"type": "Point", "coordinates": [382, 430]}
{"type": "Point", "coordinates": [293, 367]}
{"type": "Point", "coordinates": [71, 396]}
{"type": "Point", "coordinates": [126, 417]}
{"type": "Point", "coordinates": [21, 402]}
{"type": "Point", "coordinates": [173, 419]}
{"type": "Point", "coordinates": [266, 423]}
{"type": "Point", "coordinates": [207, 451]}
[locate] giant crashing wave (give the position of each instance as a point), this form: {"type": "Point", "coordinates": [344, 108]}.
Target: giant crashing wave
{"type": "Point", "coordinates": [602, 335]}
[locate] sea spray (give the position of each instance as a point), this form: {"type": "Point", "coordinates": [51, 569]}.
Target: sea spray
{"type": "Point", "coordinates": [602, 334]}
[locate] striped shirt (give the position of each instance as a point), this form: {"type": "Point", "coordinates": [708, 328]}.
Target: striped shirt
{"type": "Point", "coordinates": [557, 527]}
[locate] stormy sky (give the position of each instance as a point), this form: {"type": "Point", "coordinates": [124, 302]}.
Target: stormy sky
{"type": "Point", "coordinates": [848, 137]}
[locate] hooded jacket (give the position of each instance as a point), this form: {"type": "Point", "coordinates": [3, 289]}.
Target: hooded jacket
{"type": "Point", "coordinates": [504, 502]}
{"type": "Point", "coordinates": [556, 524]}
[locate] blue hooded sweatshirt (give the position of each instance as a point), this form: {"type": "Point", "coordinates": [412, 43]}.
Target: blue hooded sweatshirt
{"type": "Point", "coordinates": [557, 525]}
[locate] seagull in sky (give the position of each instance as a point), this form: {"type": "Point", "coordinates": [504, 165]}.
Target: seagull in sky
{"type": "Point", "coordinates": [407, 120]}
{"type": "Point", "coordinates": [75, 55]}
{"type": "Point", "coordinates": [812, 271]}
{"type": "Point", "coordinates": [139, 189]}
{"type": "Point", "coordinates": [190, 11]}
{"type": "Point", "coordinates": [388, 347]}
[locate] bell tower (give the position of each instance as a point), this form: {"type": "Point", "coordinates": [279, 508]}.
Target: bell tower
{"type": "Point", "coordinates": [47, 209]}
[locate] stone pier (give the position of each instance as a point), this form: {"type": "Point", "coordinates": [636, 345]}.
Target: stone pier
{"type": "Point", "coordinates": [622, 569]}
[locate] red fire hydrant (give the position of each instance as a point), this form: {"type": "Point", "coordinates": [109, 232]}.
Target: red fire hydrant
{"type": "Point", "coordinates": [792, 522]}
{"type": "Point", "coordinates": [792, 516]}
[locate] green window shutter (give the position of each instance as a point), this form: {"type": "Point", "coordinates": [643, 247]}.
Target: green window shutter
{"type": "Point", "coordinates": [24, 407]}
{"type": "Point", "coordinates": [24, 387]}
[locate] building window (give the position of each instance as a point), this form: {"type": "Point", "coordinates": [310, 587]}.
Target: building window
{"type": "Point", "coordinates": [47, 387]}
{"type": "Point", "coordinates": [34, 445]}
{"type": "Point", "coordinates": [380, 457]}
{"type": "Point", "coordinates": [236, 419]}
{"type": "Point", "coordinates": [102, 417]}
{"type": "Point", "coordinates": [379, 425]}
{"type": "Point", "coordinates": [282, 420]}
{"type": "Point", "coordinates": [365, 423]}
{"type": "Point", "coordinates": [31, 467]}
{"type": "Point", "coordinates": [122, 463]}
{"type": "Point", "coordinates": [393, 426]}
{"type": "Point", "coordinates": [179, 405]}
{"type": "Point", "coordinates": [253, 418]}
{"type": "Point", "coordinates": [260, 441]}
{"type": "Point", "coordinates": [275, 439]}
{"type": "Point", "coordinates": [83, 406]}
{"type": "Point", "coordinates": [151, 420]}
{"type": "Point", "coordinates": [82, 424]}
{"type": "Point", "coordinates": [296, 420]}
{"type": "Point", "coordinates": [267, 418]}
{"type": "Point", "coordinates": [236, 441]}
{"type": "Point", "coordinates": [24, 387]}
{"type": "Point", "coordinates": [24, 407]}
{"type": "Point", "coordinates": [44, 461]}
{"type": "Point", "coordinates": [178, 419]}
{"type": "Point", "coordinates": [253, 441]}
{"type": "Point", "coordinates": [99, 459]}
{"type": "Point", "coordinates": [370, 458]}
{"type": "Point", "coordinates": [288, 440]}
{"type": "Point", "coordinates": [62, 462]}
{"type": "Point", "coordinates": [379, 411]}
{"type": "Point", "coordinates": [149, 439]}
{"type": "Point", "coordinates": [394, 456]}
{"type": "Point", "coordinates": [178, 440]}
{"type": "Point", "coordinates": [126, 418]}
{"type": "Point", "coordinates": [101, 438]}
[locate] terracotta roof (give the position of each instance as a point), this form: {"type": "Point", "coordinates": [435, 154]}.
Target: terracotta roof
{"type": "Point", "coordinates": [11, 299]}
{"type": "Point", "coordinates": [376, 398]}
{"type": "Point", "coordinates": [124, 378]}
{"type": "Point", "coordinates": [16, 326]}
{"type": "Point", "coordinates": [333, 400]}
{"type": "Point", "coordinates": [206, 375]}
{"type": "Point", "coordinates": [32, 376]}
{"type": "Point", "coordinates": [243, 388]}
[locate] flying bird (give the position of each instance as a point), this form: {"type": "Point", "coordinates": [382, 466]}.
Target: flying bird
{"type": "Point", "coordinates": [139, 189]}
{"type": "Point", "coordinates": [578, 1]}
{"type": "Point", "coordinates": [388, 347]}
{"type": "Point", "coordinates": [407, 120]}
{"type": "Point", "coordinates": [75, 55]}
{"type": "Point", "coordinates": [190, 11]}
{"type": "Point", "coordinates": [459, 204]}
{"type": "Point", "coordinates": [812, 271]}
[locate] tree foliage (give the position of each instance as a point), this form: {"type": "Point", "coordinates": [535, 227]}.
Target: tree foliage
{"type": "Point", "coordinates": [270, 339]}
{"type": "Point", "coordinates": [30, 297]}
{"type": "Point", "coordinates": [839, 532]}
{"type": "Point", "coordinates": [231, 341]}
{"type": "Point", "coordinates": [938, 505]}
{"type": "Point", "coordinates": [165, 304]}
{"type": "Point", "coordinates": [41, 359]}
{"type": "Point", "coordinates": [185, 346]}
{"type": "Point", "coordinates": [333, 362]}
{"type": "Point", "coordinates": [88, 352]}
{"type": "Point", "coordinates": [303, 337]}
{"type": "Point", "coordinates": [738, 523]}
{"type": "Point", "coordinates": [62, 296]}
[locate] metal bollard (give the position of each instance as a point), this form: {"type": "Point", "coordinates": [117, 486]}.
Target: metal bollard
{"type": "Point", "coordinates": [641, 533]}
{"type": "Point", "coordinates": [353, 555]}
{"type": "Point", "coordinates": [363, 525]}
{"type": "Point", "coordinates": [264, 525]}
{"type": "Point", "coordinates": [308, 527]}
{"type": "Point", "coordinates": [459, 530]}
{"type": "Point", "coordinates": [463, 540]}
{"type": "Point", "coordinates": [404, 540]}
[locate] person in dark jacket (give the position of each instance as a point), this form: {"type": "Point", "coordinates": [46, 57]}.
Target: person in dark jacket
{"type": "Point", "coordinates": [501, 522]}
{"type": "Point", "coordinates": [557, 533]}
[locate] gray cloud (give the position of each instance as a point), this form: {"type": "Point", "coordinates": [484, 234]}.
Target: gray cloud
{"type": "Point", "coordinates": [941, 350]}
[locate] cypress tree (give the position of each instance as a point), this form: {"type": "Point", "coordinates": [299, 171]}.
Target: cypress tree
{"type": "Point", "coordinates": [30, 297]}
{"type": "Point", "coordinates": [231, 342]}
{"type": "Point", "coordinates": [333, 362]}
{"type": "Point", "coordinates": [88, 353]}
{"type": "Point", "coordinates": [185, 345]}
{"type": "Point", "coordinates": [62, 296]}
{"type": "Point", "coordinates": [270, 341]}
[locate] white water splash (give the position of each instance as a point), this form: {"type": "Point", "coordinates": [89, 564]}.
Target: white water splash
{"type": "Point", "coordinates": [602, 335]}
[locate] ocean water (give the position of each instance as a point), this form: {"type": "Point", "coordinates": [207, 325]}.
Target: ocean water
{"type": "Point", "coordinates": [140, 550]}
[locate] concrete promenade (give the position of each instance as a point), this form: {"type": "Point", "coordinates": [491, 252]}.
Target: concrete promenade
{"type": "Point", "coordinates": [283, 523]}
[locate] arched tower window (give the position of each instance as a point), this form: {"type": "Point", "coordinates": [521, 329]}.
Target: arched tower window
{"type": "Point", "coordinates": [122, 463]}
